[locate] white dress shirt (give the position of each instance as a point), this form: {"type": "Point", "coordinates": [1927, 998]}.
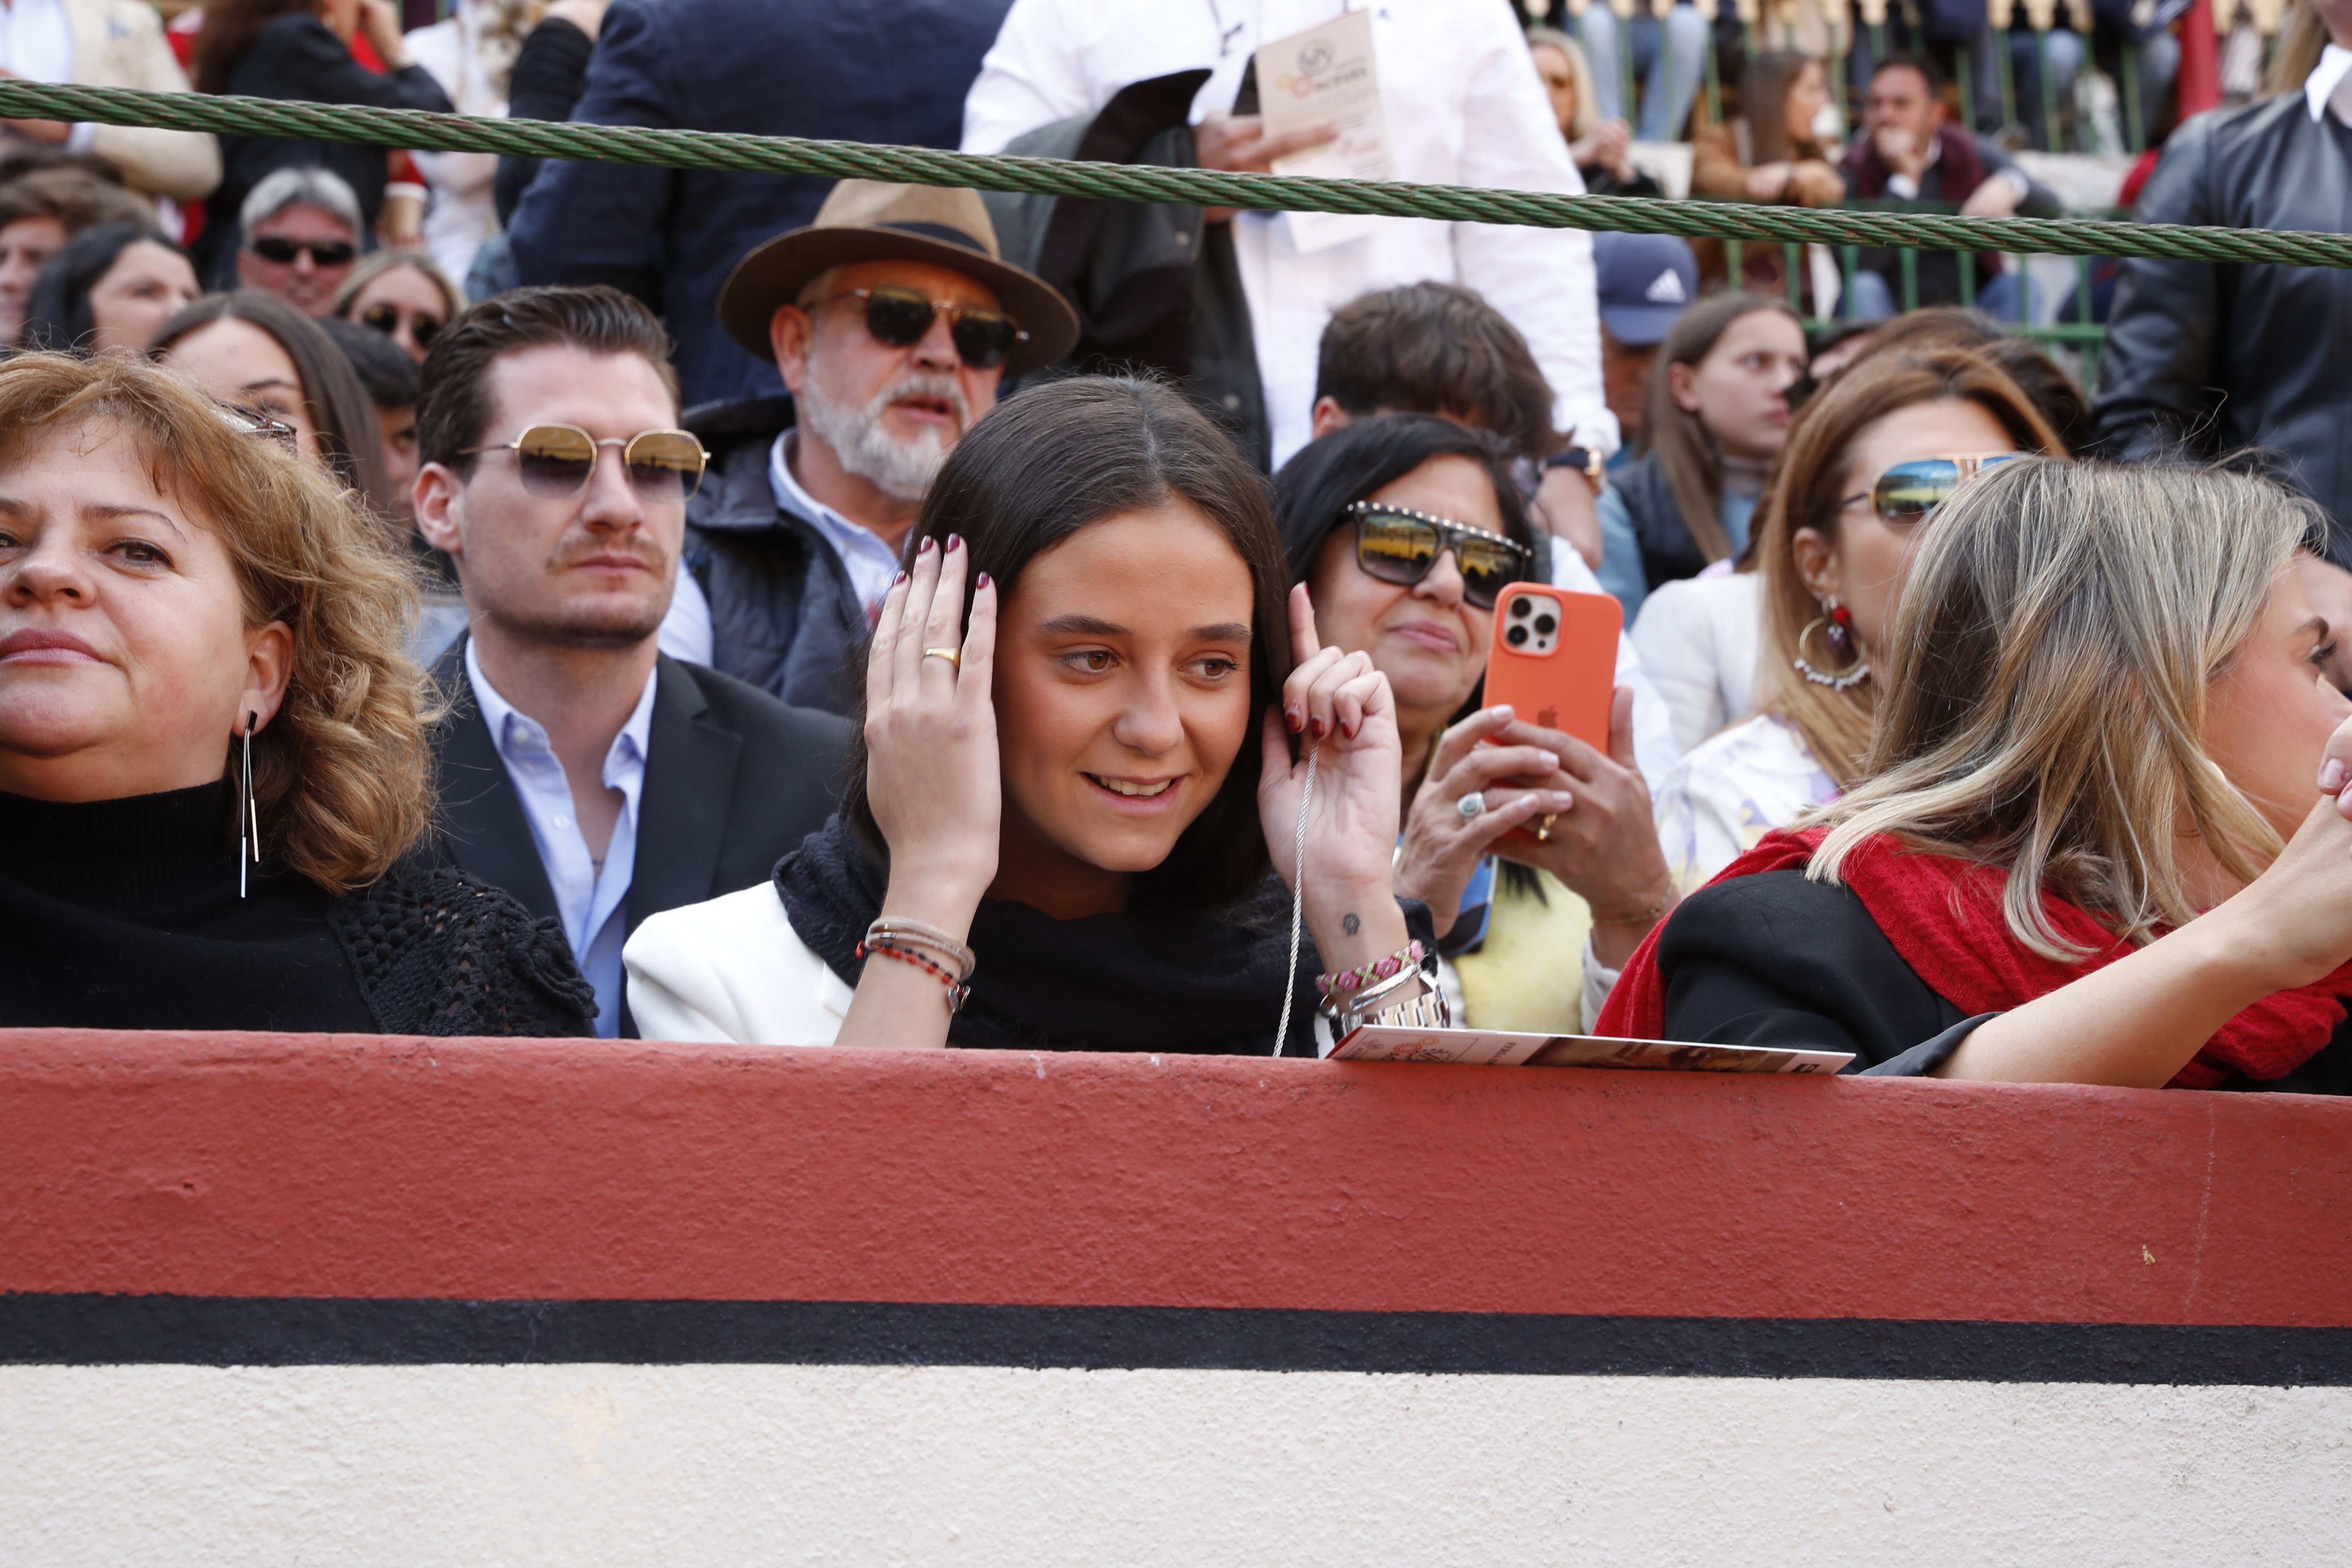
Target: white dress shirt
{"type": "Point", "coordinates": [686, 630]}
{"type": "Point", "coordinates": [2329, 85]}
{"type": "Point", "coordinates": [592, 900]}
{"type": "Point", "coordinates": [36, 43]}
{"type": "Point", "coordinates": [1464, 107]}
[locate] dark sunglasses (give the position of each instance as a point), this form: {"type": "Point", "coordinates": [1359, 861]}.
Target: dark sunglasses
{"type": "Point", "coordinates": [323, 252]}
{"type": "Point", "coordinates": [899, 317]}
{"type": "Point", "coordinates": [1906, 493]}
{"type": "Point", "coordinates": [556, 460]}
{"type": "Point", "coordinates": [386, 319]}
{"type": "Point", "coordinates": [1397, 544]}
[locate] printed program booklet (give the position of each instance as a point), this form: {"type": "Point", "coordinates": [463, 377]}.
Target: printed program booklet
{"type": "Point", "coordinates": [1494, 1048]}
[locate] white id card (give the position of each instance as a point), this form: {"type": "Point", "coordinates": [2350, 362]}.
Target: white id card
{"type": "Point", "coordinates": [1327, 76]}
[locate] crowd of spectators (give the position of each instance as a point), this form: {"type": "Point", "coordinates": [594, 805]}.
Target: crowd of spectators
{"type": "Point", "coordinates": [983, 578]}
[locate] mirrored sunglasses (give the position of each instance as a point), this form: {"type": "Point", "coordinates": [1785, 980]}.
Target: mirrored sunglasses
{"type": "Point", "coordinates": [323, 252]}
{"type": "Point", "coordinates": [899, 317]}
{"type": "Point", "coordinates": [385, 318]}
{"type": "Point", "coordinates": [556, 460]}
{"type": "Point", "coordinates": [1397, 544]}
{"type": "Point", "coordinates": [1906, 493]}
{"type": "Point", "coordinates": [246, 422]}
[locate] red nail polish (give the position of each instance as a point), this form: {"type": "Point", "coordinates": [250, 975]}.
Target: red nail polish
{"type": "Point", "coordinates": [925, 548]}
{"type": "Point", "coordinates": [1290, 717]}
{"type": "Point", "coordinates": [899, 579]}
{"type": "Point", "coordinates": [1318, 727]}
{"type": "Point", "coordinates": [982, 581]}
{"type": "Point", "coordinates": [955, 543]}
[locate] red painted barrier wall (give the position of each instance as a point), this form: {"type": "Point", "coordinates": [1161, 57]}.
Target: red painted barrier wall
{"type": "Point", "coordinates": [339, 1166]}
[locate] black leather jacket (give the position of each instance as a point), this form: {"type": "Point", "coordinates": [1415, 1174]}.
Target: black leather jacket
{"type": "Point", "coordinates": [2212, 358]}
{"type": "Point", "coordinates": [783, 614]}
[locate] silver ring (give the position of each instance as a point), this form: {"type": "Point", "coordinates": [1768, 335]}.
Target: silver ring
{"type": "Point", "coordinates": [1470, 805]}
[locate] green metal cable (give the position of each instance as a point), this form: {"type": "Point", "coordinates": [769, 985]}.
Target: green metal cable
{"type": "Point", "coordinates": [1117, 182]}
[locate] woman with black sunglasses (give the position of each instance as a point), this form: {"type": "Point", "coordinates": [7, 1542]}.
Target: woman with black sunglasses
{"type": "Point", "coordinates": [403, 295]}
{"type": "Point", "coordinates": [1404, 530]}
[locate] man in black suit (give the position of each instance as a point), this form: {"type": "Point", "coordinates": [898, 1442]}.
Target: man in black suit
{"type": "Point", "coordinates": [581, 770]}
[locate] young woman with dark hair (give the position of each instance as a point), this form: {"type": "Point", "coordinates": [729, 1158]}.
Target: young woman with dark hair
{"type": "Point", "coordinates": [259, 353]}
{"type": "Point", "coordinates": [1404, 530]}
{"type": "Point", "coordinates": [108, 292]}
{"type": "Point", "coordinates": [1717, 415]}
{"type": "Point", "coordinates": [1081, 700]}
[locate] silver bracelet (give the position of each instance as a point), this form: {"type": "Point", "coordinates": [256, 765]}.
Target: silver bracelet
{"type": "Point", "coordinates": [1407, 999]}
{"type": "Point", "coordinates": [915, 933]}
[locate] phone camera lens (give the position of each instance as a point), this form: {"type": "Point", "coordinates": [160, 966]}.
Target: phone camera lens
{"type": "Point", "coordinates": [1520, 608]}
{"type": "Point", "coordinates": [1546, 626]}
{"type": "Point", "coordinates": [1516, 637]}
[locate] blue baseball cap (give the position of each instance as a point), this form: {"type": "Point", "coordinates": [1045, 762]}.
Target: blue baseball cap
{"type": "Point", "coordinates": [1645, 282]}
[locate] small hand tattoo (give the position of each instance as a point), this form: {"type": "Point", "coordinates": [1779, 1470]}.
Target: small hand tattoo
{"type": "Point", "coordinates": [1351, 925]}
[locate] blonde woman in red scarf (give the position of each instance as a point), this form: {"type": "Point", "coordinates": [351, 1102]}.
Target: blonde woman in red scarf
{"type": "Point", "coordinates": [2086, 847]}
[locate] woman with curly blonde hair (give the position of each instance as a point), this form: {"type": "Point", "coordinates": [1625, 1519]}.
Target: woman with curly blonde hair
{"type": "Point", "coordinates": [213, 769]}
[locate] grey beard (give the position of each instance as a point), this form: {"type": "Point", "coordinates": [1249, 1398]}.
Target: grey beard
{"type": "Point", "coordinates": [900, 469]}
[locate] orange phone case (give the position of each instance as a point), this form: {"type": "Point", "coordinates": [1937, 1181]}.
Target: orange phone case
{"type": "Point", "coordinates": [1560, 676]}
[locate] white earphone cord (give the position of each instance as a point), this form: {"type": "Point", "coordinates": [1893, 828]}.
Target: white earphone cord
{"type": "Point", "coordinates": [1297, 901]}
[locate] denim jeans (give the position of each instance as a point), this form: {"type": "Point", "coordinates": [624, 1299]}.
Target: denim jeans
{"type": "Point", "coordinates": [1601, 34]}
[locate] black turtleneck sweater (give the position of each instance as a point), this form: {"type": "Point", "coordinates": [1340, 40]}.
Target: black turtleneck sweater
{"type": "Point", "coordinates": [125, 914]}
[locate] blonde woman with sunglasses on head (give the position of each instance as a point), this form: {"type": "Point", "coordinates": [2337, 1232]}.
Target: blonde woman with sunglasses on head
{"type": "Point", "coordinates": [2087, 848]}
{"type": "Point", "coordinates": [1868, 460]}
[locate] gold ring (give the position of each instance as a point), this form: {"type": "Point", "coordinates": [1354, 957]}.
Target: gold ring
{"type": "Point", "coordinates": [1543, 828]}
{"type": "Point", "coordinates": [953, 655]}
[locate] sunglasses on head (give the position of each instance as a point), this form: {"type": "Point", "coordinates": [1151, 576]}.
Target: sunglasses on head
{"type": "Point", "coordinates": [1397, 544]}
{"type": "Point", "coordinates": [1906, 493]}
{"type": "Point", "coordinates": [323, 252]}
{"type": "Point", "coordinates": [899, 317]}
{"type": "Point", "coordinates": [556, 460]}
{"type": "Point", "coordinates": [386, 319]}
{"type": "Point", "coordinates": [246, 422]}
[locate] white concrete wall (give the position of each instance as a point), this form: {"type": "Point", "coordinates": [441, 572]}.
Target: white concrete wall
{"type": "Point", "coordinates": [589, 1464]}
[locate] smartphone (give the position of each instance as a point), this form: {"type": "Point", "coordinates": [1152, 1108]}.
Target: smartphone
{"type": "Point", "coordinates": [1555, 658]}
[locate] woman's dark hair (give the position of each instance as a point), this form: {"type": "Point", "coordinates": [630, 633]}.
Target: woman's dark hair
{"type": "Point", "coordinates": [1071, 453]}
{"type": "Point", "coordinates": [2054, 392]}
{"type": "Point", "coordinates": [350, 437]}
{"type": "Point", "coordinates": [57, 316]}
{"type": "Point", "coordinates": [1312, 493]}
{"type": "Point", "coordinates": [1764, 87]}
{"type": "Point", "coordinates": [1685, 447]}
{"type": "Point", "coordinates": [230, 28]}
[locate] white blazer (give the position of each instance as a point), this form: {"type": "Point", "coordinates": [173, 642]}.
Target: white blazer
{"type": "Point", "coordinates": [732, 970]}
{"type": "Point", "coordinates": [1698, 639]}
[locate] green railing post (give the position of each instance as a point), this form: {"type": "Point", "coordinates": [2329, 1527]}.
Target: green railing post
{"type": "Point", "coordinates": [1714, 86]}
{"type": "Point", "coordinates": [1964, 80]}
{"type": "Point", "coordinates": [1909, 260]}
{"type": "Point", "coordinates": [2049, 91]}
{"type": "Point", "coordinates": [2135, 132]}
{"type": "Point", "coordinates": [1735, 254]}
{"type": "Point", "coordinates": [2005, 71]}
{"type": "Point", "coordinates": [1849, 263]}
{"type": "Point", "coordinates": [1968, 277]}
{"type": "Point", "coordinates": [1626, 67]}
{"type": "Point", "coordinates": [1792, 257]}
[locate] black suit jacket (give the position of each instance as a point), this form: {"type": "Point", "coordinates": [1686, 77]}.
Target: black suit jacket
{"type": "Point", "coordinates": [734, 780]}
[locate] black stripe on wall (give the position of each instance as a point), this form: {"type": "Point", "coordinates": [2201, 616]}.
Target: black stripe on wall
{"type": "Point", "coordinates": [215, 1331]}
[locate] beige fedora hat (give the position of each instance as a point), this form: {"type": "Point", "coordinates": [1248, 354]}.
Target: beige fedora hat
{"type": "Point", "coordinates": [865, 220]}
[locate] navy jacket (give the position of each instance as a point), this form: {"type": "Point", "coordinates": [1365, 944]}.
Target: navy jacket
{"type": "Point", "coordinates": [892, 71]}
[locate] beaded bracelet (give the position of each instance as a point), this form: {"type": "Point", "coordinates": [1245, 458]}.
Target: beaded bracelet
{"type": "Point", "coordinates": [1335, 987]}
{"type": "Point", "coordinates": [896, 930]}
{"type": "Point", "coordinates": [885, 948]}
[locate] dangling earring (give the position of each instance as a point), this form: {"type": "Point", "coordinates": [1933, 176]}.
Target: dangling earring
{"type": "Point", "coordinates": [248, 815]}
{"type": "Point", "coordinates": [1836, 624]}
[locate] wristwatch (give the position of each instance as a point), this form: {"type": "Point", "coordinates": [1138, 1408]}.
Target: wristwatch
{"type": "Point", "coordinates": [1592, 464]}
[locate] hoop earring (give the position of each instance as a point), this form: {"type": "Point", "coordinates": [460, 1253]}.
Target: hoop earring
{"type": "Point", "coordinates": [1836, 624]}
{"type": "Point", "coordinates": [249, 816]}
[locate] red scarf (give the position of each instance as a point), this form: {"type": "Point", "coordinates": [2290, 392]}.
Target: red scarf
{"type": "Point", "coordinates": [1943, 915]}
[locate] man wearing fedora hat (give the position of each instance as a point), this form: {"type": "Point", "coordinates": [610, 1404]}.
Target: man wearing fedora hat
{"type": "Point", "coordinates": [892, 320]}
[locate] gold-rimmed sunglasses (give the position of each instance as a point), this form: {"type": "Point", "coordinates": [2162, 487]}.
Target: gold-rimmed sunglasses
{"type": "Point", "coordinates": [555, 462]}
{"type": "Point", "coordinates": [1906, 493]}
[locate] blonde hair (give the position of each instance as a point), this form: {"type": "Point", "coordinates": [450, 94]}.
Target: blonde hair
{"type": "Point", "coordinates": [1586, 119]}
{"type": "Point", "coordinates": [1804, 493]}
{"type": "Point", "coordinates": [341, 774]}
{"type": "Point", "coordinates": [2049, 681]}
{"type": "Point", "coordinates": [2302, 39]}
